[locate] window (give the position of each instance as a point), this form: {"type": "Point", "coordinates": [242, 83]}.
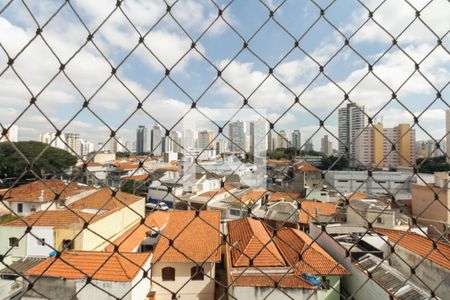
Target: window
{"type": "Point", "coordinates": [67, 244]}
{"type": "Point", "coordinates": [380, 220]}
{"type": "Point", "coordinates": [19, 207]}
{"type": "Point", "coordinates": [168, 274]}
{"type": "Point", "coordinates": [40, 242]}
{"type": "Point", "coordinates": [197, 273]}
{"type": "Point", "coordinates": [33, 208]}
{"type": "Point", "coordinates": [13, 242]}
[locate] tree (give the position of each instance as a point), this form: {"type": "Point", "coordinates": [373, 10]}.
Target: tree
{"type": "Point", "coordinates": [328, 161]}
{"type": "Point", "coordinates": [433, 164]}
{"type": "Point", "coordinates": [53, 161]}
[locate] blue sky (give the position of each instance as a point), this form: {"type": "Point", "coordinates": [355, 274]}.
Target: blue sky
{"type": "Point", "coordinates": [293, 68]}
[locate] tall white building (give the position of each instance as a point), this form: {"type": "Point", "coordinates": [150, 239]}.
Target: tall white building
{"type": "Point", "coordinates": [326, 147]}
{"type": "Point", "coordinates": [49, 138]}
{"type": "Point", "coordinates": [351, 120]}
{"type": "Point", "coordinates": [188, 139]}
{"type": "Point", "coordinates": [204, 139]}
{"type": "Point", "coordinates": [296, 139]}
{"type": "Point", "coordinates": [258, 139]}
{"type": "Point", "coordinates": [12, 135]}
{"type": "Point", "coordinates": [237, 135]}
{"type": "Point", "coordinates": [86, 147]}
{"type": "Point", "coordinates": [176, 141]}
{"type": "Point", "coordinates": [73, 141]}
{"type": "Point", "coordinates": [141, 139]}
{"type": "Point", "coordinates": [156, 140]}
{"type": "Point", "coordinates": [116, 145]}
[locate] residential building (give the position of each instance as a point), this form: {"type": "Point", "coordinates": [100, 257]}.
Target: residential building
{"type": "Point", "coordinates": [368, 257]}
{"type": "Point", "coordinates": [403, 138]}
{"type": "Point", "coordinates": [205, 139]}
{"type": "Point", "coordinates": [176, 140]}
{"type": "Point", "coordinates": [309, 146]}
{"type": "Point", "coordinates": [185, 258]}
{"type": "Point", "coordinates": [141, 139]}
{"type": "Point", "coordinates": [250, 240]}
{"type": "Point", "coordinates": [86, 147]}
{"type": "Point", "coordinates": [378, 213]}
{"type": "Point", "coordinates": [188, 139]}
{"type": "Point", "coordinates": [110, 275]}
{"type": "Point", "coordinates": [116, 144]}
{"type": "Point", "coordinates": [12, 135]}
{"type": "Point", "coordinates": [351, 120]}
{"type": "Point", "coordinates": [65, 228]}
{"type": "Point", "coordinates": [281, 140]}
{"type": "Point", "coordinates": [156, 140]}
{"type": "Point", "coordinates": [258, 140]}
{"type": "Point", "coordinates": [316, 212]}
{"type": "Point", "coordinates": [51, 139]}
{"type": "Point", "coordinates": [431, 203]}
{"type": "Point", "coordinates": [73, 141]}
{"type": "Point", "coordinates": [237, 135]}
{"type": "Point", "coordinates": [305, 176]}
{"type": "Point", "coordinates": [326, 146]}
{"type": "Point", "coordinates": [39, 195]}
{"type": "Point", "coordinates": [296, 139]}
{"type": "Point", "coordinates": [380, 183]}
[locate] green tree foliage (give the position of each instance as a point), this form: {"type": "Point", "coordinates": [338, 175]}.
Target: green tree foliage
{"type": "Point", "coordinates": [53, 161]}
{"type": "Point", "coordinates": [433, 164]}
{"type": "Point", "coordinates": [327, 162]}
{"type": "Point", "coordinates": [290, 153]}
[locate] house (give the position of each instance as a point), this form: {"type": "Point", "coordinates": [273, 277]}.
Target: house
{"type": "Point", "coordinates": [84, 225]}
{"type": "Point", "coordinates": [239, 204]}
{"type": "Point", "coordinates": [260, 264]}
{"type": "Point", "coordinates": [431, 203]}
{"type": "Point", "coordinates": [316, 212]}
{"type": "Point", "coordinates": [377, 212]}
{"type": "Point", "coordinates": [202, 200]}
{"type": "Point", "coordinates": [369, 258]}
{"type": "Point", "coordinates": [91, 275]}
{"type": "Point", "coordinates": [43, 194]}
{"type": "Point", "coordinates": [430, 259]}
{"type": "Point", "coordinates": [185, 257]}
{"type": "Point", "coordinates": [305, 175]}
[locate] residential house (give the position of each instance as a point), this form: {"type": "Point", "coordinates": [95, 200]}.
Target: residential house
{"type": "Point", "coordinates": [43, 195]}
{"type": "Point", "coordinates": [239, 204]}
{"type": "Point", "coordinates": [261, 265]}
{"type": "Point", "coordinates": [305, 176]}
{"type": "Point", "coordinates": [84, 225]}
{"type": "Point", "coordinates": [185, 258]}
{"type": "Point", "coordinates": [91, 275]}
{"type": "Point", "coordinates": [317, 212]}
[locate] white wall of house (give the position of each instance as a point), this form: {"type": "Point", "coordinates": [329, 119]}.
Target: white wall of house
{"type": "Point", "coordinates": [7, 232]}
{"type": "Point", "coordinates": [259, 293]}
{"type": "Point", "coordinates": [30, 207]}
{"type": "Point", "coordinates": [34, 246]}
{"type": "Point", "coordinates": [194, 289]}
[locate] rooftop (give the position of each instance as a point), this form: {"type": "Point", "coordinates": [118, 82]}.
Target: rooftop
{"type": "Point", "coordinates": [275, 255]}
{"type": "Point", "coordinates": [98, 265]}
{"type": "Point", "coordinates": [312, 210]}
{"type": "Point", "coordinates": [304, 166]}
{"type": "Point", "coordinates": [283, 196]}
{"type": "Point", "coordinates": [195, 238]}
{"type": "Point", "coordinates": [45, 190]}
{"type": "Point", "coordinates": [54, 218]}
{"type": "Point", "coordinates": [423, 246]}
{"type": "Point", "coordinates": [103, 200]}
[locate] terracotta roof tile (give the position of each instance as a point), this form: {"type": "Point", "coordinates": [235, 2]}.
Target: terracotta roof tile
{"type": "Point", "coordinates": [305, 167]}
{"type": "Point", "coordinates": [311, 209]}
{"type": "Point", "coordinates": [141, 177]}
{"type": "Point", "coordinates": [194, 238]}
{"type": "Point", "coordinates": [102, 199]}
{"type": "Point", "coordinates": [227, 188]}
{"type": "Point", "coordinates": [278, 196]}
{"type": "Point", "coordinates": [134, 236]}
{"type": "Point", "coordinates": [270, 280]}
{"type": "Point", "coordinates": [111, 267]}
{"type": "Point", "coordinates": [31, 192]}
{"type": "Point", "coordinates": [357, 196]}
{"type": "Point", "coordinates": [420, 245]}
{"type": "Point", "coordinates": [53, 218]}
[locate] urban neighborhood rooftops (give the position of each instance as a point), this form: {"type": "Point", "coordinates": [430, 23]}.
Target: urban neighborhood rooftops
{"type": "Point", "coordinates": [103, 200]}
{"type": "Point", "coordinates": [104, 266]}
{"type": "Point", "coordinates": [314, 210]}
{"type": "Point", "coordinates": [190, 238]}
{"type": "Point", "coordinates": [44, 191]}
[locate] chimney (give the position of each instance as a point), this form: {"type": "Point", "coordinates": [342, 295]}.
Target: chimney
{"type": "Point", "coordinates": [41, 197]}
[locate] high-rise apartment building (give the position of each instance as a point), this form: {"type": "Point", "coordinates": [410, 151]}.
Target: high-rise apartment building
{"type": "Point", "coordinates": [156, 140]}
{"type": "Point", "coordinates": [326, 147]}
{"type": "Point", "coordinates": [73, 141]}
{"type": "Point", "coordinates": [176, 141]}
{"type": "Point", "coordinates": [49, 138]}
{"type": "Point", "coordinates": [351, 120]}
{"type": "Point", "coordinates": [188, 139]}
{"type": "Point", "coordinates": [237, 135]}
{"type": "Point", "coordinates": [258, 139]}
{"type": "Point", "coordinates": [309, 146]}
{"type": "Point", "coordinates": [204, 139]}
{"type": "Point", "coordinates": [296, 139]}
{"type": "Point", "coordinates": [141, 139]}
{"type": "Point", "coordinates": [380, 147]}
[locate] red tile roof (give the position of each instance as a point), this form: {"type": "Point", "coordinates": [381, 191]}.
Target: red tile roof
{"type": "Point", "coordinates": [79, 264]}
{"type": "Point", "coordinates": [103, 199]}
{"type": "Point", "coordinates": [278, 196]}
{"type": "Point", "coordinates": [252, 239]}
{"type": "Point", "coordinates": [304, 166]}
{"type": "Point", "coordinates": [194, 238]}
{"type": "Point", "coordinates": [141, 177]}
{"type": "Point", "coordinates": [134, 236]}
{"type": "Point", "coordinates": [227, 188]}
{"type": "Point", "coordinates": [313, 209]}
{"type": "Point", "coordinates": [31, 192]}
{"type": "Point", "coordinates": [53, 218]}
{"type": "Point", "coordinates": [420, 245]}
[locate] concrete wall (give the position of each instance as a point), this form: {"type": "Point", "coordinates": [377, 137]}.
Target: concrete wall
{"type": "Point", "coordinates": [259, 293]}
{"type": "Point", "coordinates": [122, 220]}
{"type": "Point", "coordinates": [90, 291]}
{"type": "Point", "coordinates": [194, 289]}
{"type": "Point", "coordinates": [428, 274]}
{"type": "Point", "coordinates": [52, 288]}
